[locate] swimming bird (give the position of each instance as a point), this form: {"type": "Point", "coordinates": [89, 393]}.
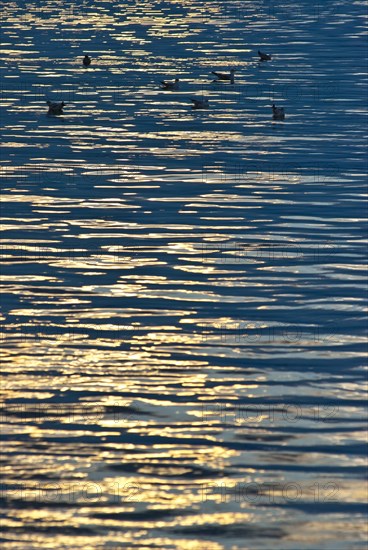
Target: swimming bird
{"type": "Point", "coordinates": [86, 61]}
{"type": "Point", "coordinates": [167, 85]}
{"type": "Point", "coordinates": [55, 108]}
{"type": "Point", "coordinates": [264, 56]}
{"type": "Point", "coordinates": [225, 76]}
{"type": "Point", "coordinates": [278, 112]}
{"type": "Point", "coordinates": [200, 103]}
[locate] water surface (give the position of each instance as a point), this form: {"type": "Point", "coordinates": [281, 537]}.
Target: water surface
{"type": "Point", "coordinates": [183, 291]}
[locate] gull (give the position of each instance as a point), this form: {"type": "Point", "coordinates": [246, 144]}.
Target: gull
{"type": "Point", "coordinates": [264, 56]}
{"type": "Point", "coordinates": [167, 85]}
{"type": "Point", "coordinates": [200, 103]}
{"type": "Point", "coordinates": [225, 76]}
{"type": "Point", "coordinates": [278, 112]}
{"type": "Point", "coordinates": [55, 108]}
{"type": "Point", "coordinates": [86, 60]}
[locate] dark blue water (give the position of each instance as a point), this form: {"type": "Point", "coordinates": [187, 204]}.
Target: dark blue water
{"type": "Point", "coordinates": [184, 291]}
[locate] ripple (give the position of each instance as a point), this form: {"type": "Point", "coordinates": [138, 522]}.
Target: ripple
{"type": "Point", "coordinates": [182, 323]}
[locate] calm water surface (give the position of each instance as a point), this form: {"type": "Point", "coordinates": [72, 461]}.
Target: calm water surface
{"type": "Point", "coordinates": [183, 291]}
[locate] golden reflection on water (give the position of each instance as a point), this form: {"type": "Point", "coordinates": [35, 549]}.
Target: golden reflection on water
{"type": "Point", "coordinates": [167, 380]}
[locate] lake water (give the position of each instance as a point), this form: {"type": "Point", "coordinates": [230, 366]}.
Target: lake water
{"type": "Point", "coordinates": [184, 290]}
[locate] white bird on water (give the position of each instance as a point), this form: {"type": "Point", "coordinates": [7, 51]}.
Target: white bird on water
{"type": "Point", "coordinates": [264, 56]}
{"type": "Point", "coordinates": [167, 85]}
{"type": "Point", "coordinates": [55, 108]}
{"type": "Point", "coordinates": [200, 103]}
{"type": "Point", "coordinates": [225, 76]}
{"type": "Point", "coordinates": [278, 112]}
